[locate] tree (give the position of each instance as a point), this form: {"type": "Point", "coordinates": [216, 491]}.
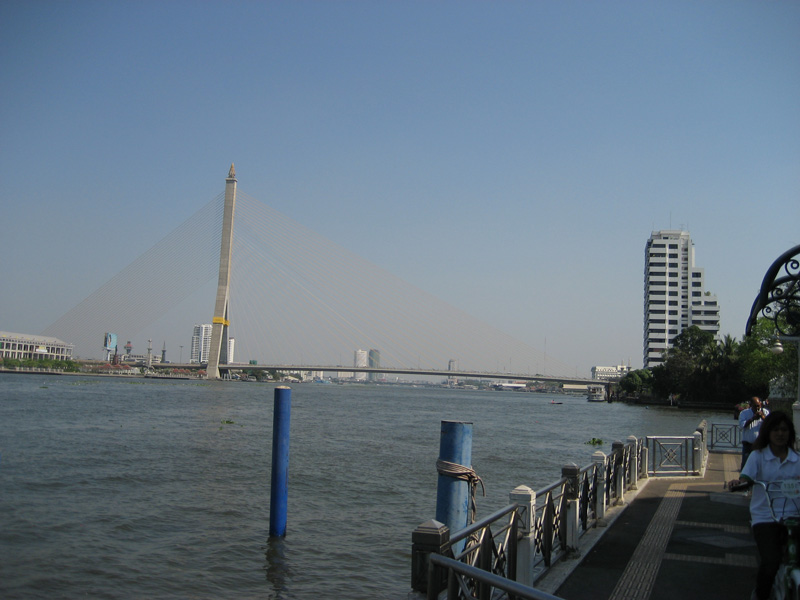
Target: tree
{"type": "Point", "coordinates": [693, 342]}
{"type": "Point", "coordinates": [760, 366]}
{"type": "Point", "coordinates": [700, 368]}
{"type": "Point", "coordinates": [636, 382]}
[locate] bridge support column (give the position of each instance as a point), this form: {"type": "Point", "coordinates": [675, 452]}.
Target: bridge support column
{"type": "Point", "coordinates": [525, 497]}
{"type": "Point", "coordinates": [599, 459]}
{"type": "Point", "coordinates": [218, 352]}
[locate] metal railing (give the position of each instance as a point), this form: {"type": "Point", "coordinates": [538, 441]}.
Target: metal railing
{"type": "Point", "coordinates": [678, 455]}
{"type": "Point", "coordinates": [459, 575]}
{"type": "Point", "coordinates": [523, 540]}
{"type": "Point", "coordinates": [725, 437]}
{"type": "Point", "coordinates": [519, 543]}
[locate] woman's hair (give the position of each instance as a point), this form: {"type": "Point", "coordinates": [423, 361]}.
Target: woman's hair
{"type": "Point", "coordinates": [771, 421]}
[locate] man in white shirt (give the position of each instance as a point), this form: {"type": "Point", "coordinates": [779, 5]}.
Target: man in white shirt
{"type": "Point", "coordinates": [750, 420]}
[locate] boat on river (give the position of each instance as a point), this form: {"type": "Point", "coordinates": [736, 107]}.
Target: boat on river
{"type": "Point", "coordinates": [596, 393]}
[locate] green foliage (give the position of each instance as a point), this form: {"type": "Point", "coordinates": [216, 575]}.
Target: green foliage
{"type": "Point", "coordinates": [693, 342]}
{"type": "Point", "coordinates": [44, 363]}
{"type": "Point", "coordinates": [637, 382]}
{"type": "Point", "coordinates": [760, 365]}
{"type": "Point", "coordinates": [700, 368]}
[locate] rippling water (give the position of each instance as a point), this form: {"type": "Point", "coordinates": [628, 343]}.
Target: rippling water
{"type": "Point", "coordinates": [138, 488]}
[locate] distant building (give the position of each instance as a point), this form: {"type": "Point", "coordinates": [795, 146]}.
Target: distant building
{"type": "Point", "coordinates": [452, 365]}
{"type": "Point", "coordinates": [231, 346]}
{"type": "Point", "coordinates": [610, 373]}
{"type": "Point", "coordinates": [201, 344]}
{"type": "Point", "coordinates": [374, 362]}
{"type": "Point", "coordinates": [674, 294]}
{"type": "Point", "coordinates": [23, 346]}
{"type": "Point", "coordinates": [361, 359]}
{"type": "Point", "coordinates": [140, 358]}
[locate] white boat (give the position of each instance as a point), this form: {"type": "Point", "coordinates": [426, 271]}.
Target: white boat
{"type": "Point", "coordinates": [596, 393]}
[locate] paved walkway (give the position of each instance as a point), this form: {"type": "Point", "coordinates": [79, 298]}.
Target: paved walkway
{"type": "Point", "coordinates": [679, 539]}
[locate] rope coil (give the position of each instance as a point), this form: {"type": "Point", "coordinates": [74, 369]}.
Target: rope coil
{"type": "Point", "coordinates": [468, 474]}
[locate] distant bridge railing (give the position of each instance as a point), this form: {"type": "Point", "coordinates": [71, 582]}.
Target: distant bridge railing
{"type": "Point", "coordinates": [521, 542]}
{"type": "Point", "coordinates": [411, 371]}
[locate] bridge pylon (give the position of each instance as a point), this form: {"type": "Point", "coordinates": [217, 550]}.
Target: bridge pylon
{"type": "Point", "coordinates": [219, 325]}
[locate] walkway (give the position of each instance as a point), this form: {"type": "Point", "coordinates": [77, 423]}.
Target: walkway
{"type": "Point", "coordinates": [679, 539]}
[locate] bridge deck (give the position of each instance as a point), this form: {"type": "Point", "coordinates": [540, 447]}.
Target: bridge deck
{"type": "Point", "coordinates": [678, 538]}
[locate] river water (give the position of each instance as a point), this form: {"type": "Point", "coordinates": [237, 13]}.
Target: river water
{"type": "Point", "coordinates": [136, 488]}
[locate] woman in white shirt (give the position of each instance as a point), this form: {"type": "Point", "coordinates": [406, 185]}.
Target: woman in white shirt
{"type": "Point", "coordinates": [773, 459]}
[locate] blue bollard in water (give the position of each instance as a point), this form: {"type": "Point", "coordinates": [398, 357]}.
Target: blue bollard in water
{"type": "Point", "coordinates": [452, 495]}
{"type": "Point", "coordinates": [279, 488]}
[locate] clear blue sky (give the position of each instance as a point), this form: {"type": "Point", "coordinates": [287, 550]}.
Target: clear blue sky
{"type": "Point", "coordinates": [511, 158]}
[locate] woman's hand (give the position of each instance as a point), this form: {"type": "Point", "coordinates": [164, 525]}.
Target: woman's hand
{"type": "Point", "coordinates": [739, 484]}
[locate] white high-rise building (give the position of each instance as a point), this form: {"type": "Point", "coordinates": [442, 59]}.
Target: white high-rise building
{"type": "Point", "coordinates": [361, 359]}
{"type": "Point", "coordinates": [231, 347]}
{"type": "Point", "coordinates": [674, 294]}
{"type": "Point", "coordinates": [201, 343]}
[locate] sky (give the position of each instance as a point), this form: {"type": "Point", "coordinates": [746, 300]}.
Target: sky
{"type": "Point", "coordinates": [510, 158]}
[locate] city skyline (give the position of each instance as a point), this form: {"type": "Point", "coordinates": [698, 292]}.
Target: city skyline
{"type": "Point", "coordinates": [509, 159]}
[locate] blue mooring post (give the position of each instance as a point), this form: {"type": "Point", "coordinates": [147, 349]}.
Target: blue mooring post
{"type": "Point", "coordinates": [452, 495]}
{"type": "Point", "coordinates": [279, 488]}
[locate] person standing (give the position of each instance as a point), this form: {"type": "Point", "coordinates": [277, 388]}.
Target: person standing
{"type": "Point", "coordinates": [750, 420]}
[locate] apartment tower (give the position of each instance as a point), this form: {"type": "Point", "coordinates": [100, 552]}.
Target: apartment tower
{"type": "Point", "coordinates": [674, 294]}
{"type": "Point", "coordinates": [201, 343]}
{"type": "Point", "coordinates": [360, 360]}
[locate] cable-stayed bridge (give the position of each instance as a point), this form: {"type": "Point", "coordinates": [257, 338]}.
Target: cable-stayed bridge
{"type": "Point", "coordinates": [295, 298]}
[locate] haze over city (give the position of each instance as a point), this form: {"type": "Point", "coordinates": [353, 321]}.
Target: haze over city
{"type": "Point", "coordinates": [511, 158]}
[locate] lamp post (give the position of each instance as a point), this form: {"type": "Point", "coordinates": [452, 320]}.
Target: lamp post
{"type": "Point", "coordinates": [779, 301]}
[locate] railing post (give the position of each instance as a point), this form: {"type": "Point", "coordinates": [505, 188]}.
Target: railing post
{"type": "Point", "coordinates": [571, 472]}
{"type": "Point", "coordinates": [599, 460]}
{"type": "Point", "coordinates": [697, 453]}
{"type": "Point", "coordinates": [634, 444]}
{"type": "Point", "coordinates": [428, 538]}
{"type": "Point", "coordinates": [618, 456]}
{"type": "Point", "coordinates": [525, 497]}
{"type": "Point", "coordinates": [644, 458]}
{"type": "Point", "coordinates": [486, 558]}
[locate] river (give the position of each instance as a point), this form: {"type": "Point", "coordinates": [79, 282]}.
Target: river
{"type": "Point", "coordinates": [134, 488]}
